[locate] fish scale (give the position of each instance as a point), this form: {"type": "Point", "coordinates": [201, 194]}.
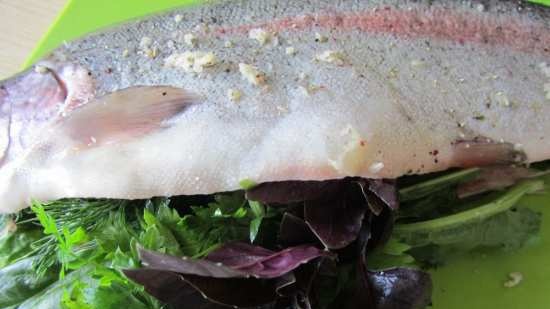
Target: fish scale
{"type": "Point", "coordinates": [399, 87]}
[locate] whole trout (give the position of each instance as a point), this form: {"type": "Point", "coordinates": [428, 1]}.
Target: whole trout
{"type": "Point", "coordinates": [194, 101]}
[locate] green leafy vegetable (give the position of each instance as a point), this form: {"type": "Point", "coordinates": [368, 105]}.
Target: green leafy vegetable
{"type": "Point", "coordinates": [259, 212]}
{"type": "Point", "coordinates": [440, 225]}
{"type": "Point", "coordinates": [102, 288]}
{"type": "Point", "coordinates": [247, 184]}
{"type": "Point", "coordinates": [206, 228]}
{"type": "Point", "coordinates": [419, 233]}
{"type": "Point", "coordinates": [66, 224]}
{"type": "Point", "coordinates": [19, 282]}
{"type": "Point", "coordinates": [16, 242]}
{"type": "Point", "coordinates": [92, 241]}
{"type": "Point", "coordinates": [67, 241]}
{"type": "Point", "coordinates": [90, 287]}
{"type": "Point", "coordinates": [393, 254]}
{"type": "Point", "coordinates": [156, 235]}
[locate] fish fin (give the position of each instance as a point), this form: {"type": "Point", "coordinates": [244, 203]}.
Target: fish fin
{"type": "Point", "coordinates": [484, 152]}
{"type": "Point", "coordinates": [494, 178]}
{"type": "Point", "coordinates": [124, 115]}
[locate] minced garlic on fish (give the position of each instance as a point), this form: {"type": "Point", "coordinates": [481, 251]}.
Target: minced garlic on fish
{"type": "Point", "coordinates": [252, 74]}
{"type": "Point", "coordinates": [376, 167]}
{"type": "Point", "coordinates": [291, 51]}
{"type": "Point", "coordinates": [229, 44]}
{"type": "Point", "coordinates": [352, 155]}
{"type": "Point", "coordinates": [190, 39]}
{"type": "Point", "coordinates": [192, 61]}
{"type": "Point", "coordinates": [320, 38]}
{"type": "Point", "coordinates": [331, 56]}
{"type": "Point", "coordinates": [262, 36]}
{"type": "Point", "coordinates": [146, 46]}
{"type": "Point", "coordinates": [234, 95]}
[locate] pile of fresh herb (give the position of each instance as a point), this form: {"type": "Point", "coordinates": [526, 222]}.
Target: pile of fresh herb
{"type": "Point", "coordinates": [348, 243]}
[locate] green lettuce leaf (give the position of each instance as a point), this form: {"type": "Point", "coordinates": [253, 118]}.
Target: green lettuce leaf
{"type": "Point", "coordinates": [438, 226]}
{"type": "Point", "coordinates": [16, 243]}
{"type": "Point", "coordinates": [20, 282]}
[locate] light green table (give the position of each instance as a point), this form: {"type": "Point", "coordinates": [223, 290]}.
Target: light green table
{"type": "Point", "coordinates": [473, 282]}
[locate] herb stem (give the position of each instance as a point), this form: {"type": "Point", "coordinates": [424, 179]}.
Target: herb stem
{"type": "Point", "coordinates": [433, 185]}
{"type": "Point", "coordinates": [501, 204]}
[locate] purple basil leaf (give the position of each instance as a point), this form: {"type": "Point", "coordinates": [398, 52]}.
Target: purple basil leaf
{"type": "Point", "coordinates": [285, 284]}
{"type": "Point", "coordinates": [295, 231]}
{"type": "Point", "coordinates": [381, 228]}
{"type": "Point", "coordinates": [382, 189]}
{"type": "Point", "coordinates": [238, 254]}
{"type": "Point", "coordinates": [336, 221]}
{"type": "Point", "coordinates": [263, 263]}
{"type": "Point", "coordinates": [288, 192]}
{"type": "Point", "coordinates": [376, 205]}
{"type": "Point", "coordinates": [401, 288]}
{"type": "Point", "coordinates": [189, 291]}
{"type": "Point", "coordinates": [188, 266]}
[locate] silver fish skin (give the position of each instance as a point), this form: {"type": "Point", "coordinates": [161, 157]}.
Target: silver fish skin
{"type": "Point", "coordinates": [328, 89]}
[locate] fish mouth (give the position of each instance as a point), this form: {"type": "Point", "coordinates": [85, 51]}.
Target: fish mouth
{"type": "Point", "coordinates": [34, 98]}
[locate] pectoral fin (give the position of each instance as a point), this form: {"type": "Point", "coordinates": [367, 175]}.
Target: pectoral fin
{"type": "Point", "coordinates": [483, 152]}
{"type": "Point", "coordinates": [124, 115]}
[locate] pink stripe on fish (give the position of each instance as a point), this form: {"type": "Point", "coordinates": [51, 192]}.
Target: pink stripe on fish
{"type": "Point", "coordinates": [441, 24]}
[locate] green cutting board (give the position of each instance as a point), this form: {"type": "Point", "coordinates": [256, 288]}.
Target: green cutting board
{"type": "Point", "coordinates": [474, 281]}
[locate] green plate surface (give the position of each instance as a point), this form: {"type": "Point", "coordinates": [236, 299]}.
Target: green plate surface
{"type": "Point", "coordinates": [474, 281]}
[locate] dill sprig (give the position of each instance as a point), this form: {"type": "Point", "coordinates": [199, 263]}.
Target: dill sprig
{"type": "Point", "coordinates": [62, 218]}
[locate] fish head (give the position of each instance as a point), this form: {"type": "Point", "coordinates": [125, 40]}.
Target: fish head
{"type": "Point", "coordinates": [35, 98]}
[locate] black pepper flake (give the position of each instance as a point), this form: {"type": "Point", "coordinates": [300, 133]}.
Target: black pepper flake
{"type": "Point", "coordinates": [89, 73]}
{"type": "Point", "coordinates": [164, 94]}
{"type": "Point", "coordinates": [436, 161]}
{"type": "Point", "coordinates": [479, 117]}
{"type": "Point", "coordinates": [109, 70]}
